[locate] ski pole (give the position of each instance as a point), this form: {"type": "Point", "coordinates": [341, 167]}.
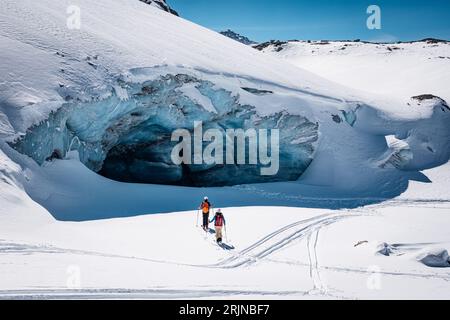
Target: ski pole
{"type": "Point", "coordinates": [197, 217]}
{"type": "Point", "coordinates": [226, 234]}
{"type": "Point", "coordinates": [212, 210]}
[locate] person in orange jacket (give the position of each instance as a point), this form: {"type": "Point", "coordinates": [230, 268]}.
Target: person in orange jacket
{"type": "Point", "coordinates": [205, 207]}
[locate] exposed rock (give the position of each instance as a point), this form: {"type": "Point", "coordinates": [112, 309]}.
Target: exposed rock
{"type": "Point", "coordinates": [385, 249]}
{"type": "Point", "coordinates": [161, 4]}
{"type": "Point", "coordinates": [278, 45]}
{"type": "Point", "coordinates": [336, 118]}
{"type": "Point", "coordinates": [257, 91]}
{"type": "Point", "coordinates": [424, 97]}
{"type": "Point", "coordinates": [360, 243]}
{"type": "Point", "coordinates": [437, 258]}
{"type": "Point", "coordinates": [236, 36]}
{"type": "Point", "coordinates": [433, 40]}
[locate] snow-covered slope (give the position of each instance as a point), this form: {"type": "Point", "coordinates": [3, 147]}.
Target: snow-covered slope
{"type": "Point", "coordinates": [95, 95]}
{"type": "Point", "coordinates": [390, 69]}
{"type": "Point", "coordinates": [147, 74]}
{"type": "Point", "coordinates": [45, 61]}
{"type": "Point", "coordinates": [279, 253]}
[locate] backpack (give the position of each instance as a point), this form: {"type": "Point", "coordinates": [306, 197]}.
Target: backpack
{"type": "Point", "coordinates": [205, 207]}
{"type": "Point", "coordinates": [219, 221]}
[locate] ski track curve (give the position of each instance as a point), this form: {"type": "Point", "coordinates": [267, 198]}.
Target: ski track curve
{"type": "Point", "coordinates": [280, 238]}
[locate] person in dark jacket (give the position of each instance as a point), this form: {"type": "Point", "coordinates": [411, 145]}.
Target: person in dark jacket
{"type": "Point", "coordinates": [219, 223]}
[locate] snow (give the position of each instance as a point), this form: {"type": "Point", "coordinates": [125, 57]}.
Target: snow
{"type": "Point", "coordinates": [271, 259]}
{"type": "Point", "coordinates": [382, 69]}
{"type": "Point", "coordinates": [88, 61]}
{"type": "Point", "coordinates": [280, 252]}
{"type": "Point", "coordinates": [67, 232]}
{"type": "Point", "coordinates": [194, 94]}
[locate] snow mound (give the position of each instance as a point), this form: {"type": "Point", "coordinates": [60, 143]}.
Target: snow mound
{"type": "Point", "coordinates": [436, 258]}
{"type": "Point", "coordinates": [385, 249]}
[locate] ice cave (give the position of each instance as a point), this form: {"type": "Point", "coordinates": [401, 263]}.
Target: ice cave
{"type": "Point", "coordinates": [129, 140]}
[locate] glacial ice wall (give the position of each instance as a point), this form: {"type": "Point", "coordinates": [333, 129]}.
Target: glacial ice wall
{"type": "Point", "coordinates": [130, 139]}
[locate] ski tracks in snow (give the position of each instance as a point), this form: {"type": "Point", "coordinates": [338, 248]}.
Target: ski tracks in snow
{"type": "Point", "coordinates": [261, 249]}
{"type": "Point", "coordinates": [314, 271]}
{"type": "Point", "coordinates": [282, 237]}
{"type": "Point", "coordinates": [306, 229]}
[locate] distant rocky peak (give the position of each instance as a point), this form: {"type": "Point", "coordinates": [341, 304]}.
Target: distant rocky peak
{"type": "Point", "coordinates": [236, 36]}
{"type": "Point", "coordinates": [161, 4]}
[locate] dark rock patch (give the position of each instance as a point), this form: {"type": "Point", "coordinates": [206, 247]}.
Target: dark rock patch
{"type": "Point", "coordinates": [424, 97]}
{"type": "Point", "coordinates": [336, 118]}
{"type": "Point", "coordinates": [257, 91]}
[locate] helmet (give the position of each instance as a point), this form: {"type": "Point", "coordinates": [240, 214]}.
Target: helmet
{"type": "Point", "coordinates": [205, 198]}
{"type": "Point", "coordinates": [219, 211]}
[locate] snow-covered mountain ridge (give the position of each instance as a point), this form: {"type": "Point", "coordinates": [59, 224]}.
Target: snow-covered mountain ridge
{"type": "Point", "coordinates": [380, 68]}
{"type": "Point", "coordinates": [238, 37]}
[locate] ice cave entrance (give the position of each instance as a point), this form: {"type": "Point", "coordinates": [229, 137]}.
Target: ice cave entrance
{"type": "Point", "coordinates": [130, 140]}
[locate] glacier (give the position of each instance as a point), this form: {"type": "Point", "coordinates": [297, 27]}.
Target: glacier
{"type": "Point", "coordinates": [77, 106]}
{"type": "Point", "coordinates": [114, 100]}
{"type": "Point", "coordinates": [129, 139]}
{"type": "Point", "coordinates": [356, 149]}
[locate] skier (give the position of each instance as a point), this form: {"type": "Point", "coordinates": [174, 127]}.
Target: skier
{"type": "Point", "coordinates": [205, 207]}
{"type": "Point", "coordinates": [219, 223]}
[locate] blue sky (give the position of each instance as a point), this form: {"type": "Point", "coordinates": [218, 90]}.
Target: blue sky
{"type": "Point", "coordinates": [263, 20]}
